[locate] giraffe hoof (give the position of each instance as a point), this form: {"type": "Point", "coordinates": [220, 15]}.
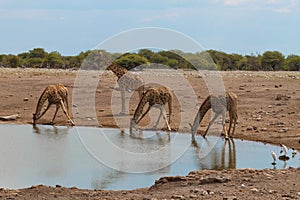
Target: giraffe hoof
{"type": "Point", "coordinates": [194, 143]}
{"type": "Point", "coordinates": [122, 114]}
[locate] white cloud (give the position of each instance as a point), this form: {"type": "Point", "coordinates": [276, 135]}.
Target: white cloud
{"type": "Point", "coordinates": [273, 1]}
{"type": "Point", "coordinates": [279, 6]}
{"type": "Point", "coordinates": [235, 2]}
{"type": "Point", "coordinates": [282, 10]}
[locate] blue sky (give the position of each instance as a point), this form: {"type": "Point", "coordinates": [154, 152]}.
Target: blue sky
{"type": "Point", "coordinates": [69, 27]}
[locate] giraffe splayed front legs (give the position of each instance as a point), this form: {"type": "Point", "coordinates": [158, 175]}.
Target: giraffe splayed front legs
{"type": "Point", "coordinates": [219, 105]}
{"type": "Point", "coordinates": [55, 94]}
{"type": "Point", "coordinates": [156, 97]}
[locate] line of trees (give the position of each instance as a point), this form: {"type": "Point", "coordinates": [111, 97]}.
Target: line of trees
{"type": "Point", "coordinates": [211, 59]}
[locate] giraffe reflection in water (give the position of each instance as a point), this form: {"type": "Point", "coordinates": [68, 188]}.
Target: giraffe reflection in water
{"type": "Point", "coordinates": [211, 156]}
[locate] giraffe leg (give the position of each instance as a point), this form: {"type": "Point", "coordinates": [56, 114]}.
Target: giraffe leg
{"type": "Point", "coordinates": [163, 113]}
{"type": "Point", "coordinates": [224, 125]}
{"type": "Point", "coordinates": [57, 108]}
{"type": "Point", "coordinates": [233, 130]}
{"type": "Point", "coordinates": [49, 105]}
{"type": "Point", "coordinates": [158, 119]}
{"type": "Point", "coordinates": [143, 115]}
{"type": "Point", "coordinates": [211, 122]}
{"type": "Point", "coordinates": [230, 125]}
{"type": "Point", "coordinates": [66, 113]}
{"type": "Point", "coordinates": [123, 101]}
{"type": "Point", "coordinates": [67, 104]}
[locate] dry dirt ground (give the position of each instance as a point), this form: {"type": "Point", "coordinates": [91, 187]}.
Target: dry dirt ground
{"type": "Point", "coordinates": [268, 111]}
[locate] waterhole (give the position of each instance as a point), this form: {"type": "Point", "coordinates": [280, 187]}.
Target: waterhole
{"type": "Point", "coordinates": [97, 158]}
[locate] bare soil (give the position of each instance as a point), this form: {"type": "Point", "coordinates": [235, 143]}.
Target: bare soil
{"type": "Point", "coordinates": [268, 111]}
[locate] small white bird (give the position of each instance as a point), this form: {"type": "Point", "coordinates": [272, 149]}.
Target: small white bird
{"type": "Point", "coordinates": [284, 149]}
{"type": "Point", "coordinates": [274, 158]}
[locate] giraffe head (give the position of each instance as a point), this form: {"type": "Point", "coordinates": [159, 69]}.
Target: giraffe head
{"type": "Point", "coordinates": [132, 125]}
{"type": "Point", "coordinates": [193, 131]}
{"type": "Point", "coordinates": [35, 118]}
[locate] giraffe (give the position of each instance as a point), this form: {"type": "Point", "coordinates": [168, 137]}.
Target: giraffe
{"type": "Point", "coordinates": [219, 104]}
{"type": "Point", "coordinates": [55, 94]}
{"type": "Point", "coordinates": [156, 97]}
{"type": "Point", "coordinates": [127, 81]}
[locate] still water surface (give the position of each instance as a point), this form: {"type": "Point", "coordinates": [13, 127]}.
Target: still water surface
{"type": "Point", "coordinates": [95, 158]}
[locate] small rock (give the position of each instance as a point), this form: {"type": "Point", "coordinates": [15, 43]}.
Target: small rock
{"type": "Point", "coordinates": [278, 97]}
{"type": "Point", "coordinates": [258, 119]}
{"type": "Point", "coordinates": [243, 185]}
{"type": "Point", "coordinates": [271, 191]}
{"type": "Point", "coordinates": [208, 180]}
{"type": "Point", "coordinates": [203, 193]}
{"type": "Point", "coordinates": [25, 99]}
{"type": "Point", "coordinates": [195, 190]}
{"type": "Point", "coordinates": [175, 196]}
{"type": "Point", "coordinates": [283, 130]}
{"type": "Point", "coordinates": [254, 190]}
{"type": "Point", "coordinates": [193, 196]}
{"type": "Point", "coordinates": [10, 117]}
{"type": "Point", "coordinates": [230, 198]}
{"type": "Point", "coordinates": [184, 184]}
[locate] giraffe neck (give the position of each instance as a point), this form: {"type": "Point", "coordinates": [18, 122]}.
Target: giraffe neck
{"type": "Point", "coordinates": [140, 106]}
{"type": "Point", "coordinates": [118, 70]}
{"type": "Point", "coordinates": [40, 103]}
{"type": "Point", "coordinates": [205, 106]}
